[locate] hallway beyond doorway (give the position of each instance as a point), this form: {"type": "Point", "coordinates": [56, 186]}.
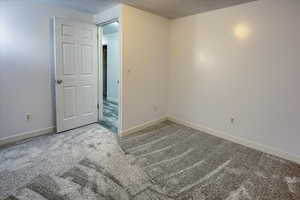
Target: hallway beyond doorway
{"type": "Point", "coordinates": [110, 115]}
{"type": "Point", "coordinates": [110, 75]}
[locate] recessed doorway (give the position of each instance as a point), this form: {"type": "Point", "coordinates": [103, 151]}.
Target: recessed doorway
{"type": "Point", "coordinates": [110, 75]}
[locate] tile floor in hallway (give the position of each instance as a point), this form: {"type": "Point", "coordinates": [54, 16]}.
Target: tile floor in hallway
{"type": "Point", "coordinates": [166, 161]}
{"type": "Point", "coordinates": [110, 115]}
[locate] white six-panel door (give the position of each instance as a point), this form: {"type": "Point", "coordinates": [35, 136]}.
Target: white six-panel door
{"type": "Point", "coordinates": [75, 74]}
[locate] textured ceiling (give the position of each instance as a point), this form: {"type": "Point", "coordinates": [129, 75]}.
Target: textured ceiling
{"type": "Point", "coordinates": [167, 8]}
{"type": "Point", "coordinates": [179, 8]}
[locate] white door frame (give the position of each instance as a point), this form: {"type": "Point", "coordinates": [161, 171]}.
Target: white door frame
{"type": "Point", "coordinates": [100, 83]}
{"type": "Point", "coordinates": [100, 72]}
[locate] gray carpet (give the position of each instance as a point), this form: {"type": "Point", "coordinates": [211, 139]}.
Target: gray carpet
{"type": "Point", "coordinates": [188, 164]}
{"type": "Point", "coordinates": [167, 161]}
{"type": "Point", "coordinates": [110, 115]}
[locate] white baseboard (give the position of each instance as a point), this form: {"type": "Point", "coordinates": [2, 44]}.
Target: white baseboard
{"type": "Point", "coordinates": [27, 135]}
{"type": "Point", "coordinates": [142, 126]}
{"type": "Point", "coordinates": [245, 142]}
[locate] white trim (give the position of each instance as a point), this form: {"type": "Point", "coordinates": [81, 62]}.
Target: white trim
{"type": "Point", "coordinates": [242, 141]}
{"type": "Point", "coordinates": [120, 95]}
{"type": "Point", "coordinates": [142, 126]}
{"type": "Point", "coordinates": [108, 15]}
{"type": "Point", "coordinates": [100, 72]}
{"type": "Point", "coordinates": [26, 135]}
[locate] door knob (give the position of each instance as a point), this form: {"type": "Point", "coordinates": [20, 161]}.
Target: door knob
{"type": "Point", "coordinates": [59, 82]}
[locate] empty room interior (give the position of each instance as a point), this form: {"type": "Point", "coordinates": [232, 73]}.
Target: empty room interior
{"type": "Point", "coordinates": [149, 100]}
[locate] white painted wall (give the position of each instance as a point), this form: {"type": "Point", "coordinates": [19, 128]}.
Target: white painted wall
{"type": "Point", "coordinates": [113, 65]}
{"type": "Point", "coordinates": [26, 65]}
{"type": "Point", "coordinates": [145, 60]}
{"type": "Point", "coordinates": [240, 62]}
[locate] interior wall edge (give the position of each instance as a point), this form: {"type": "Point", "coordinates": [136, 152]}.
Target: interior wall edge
{"type": "Point", "coordinates": [142, 126]}
{"type": "Point", "coordinates": [246, 142]}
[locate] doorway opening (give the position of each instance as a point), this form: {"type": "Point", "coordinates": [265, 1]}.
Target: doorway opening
{"type": "Point", "coordinates": [110, 52]}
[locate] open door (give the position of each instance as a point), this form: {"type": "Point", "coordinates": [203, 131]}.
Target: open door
{"type": "Point", "coordinates": [76, 74]}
